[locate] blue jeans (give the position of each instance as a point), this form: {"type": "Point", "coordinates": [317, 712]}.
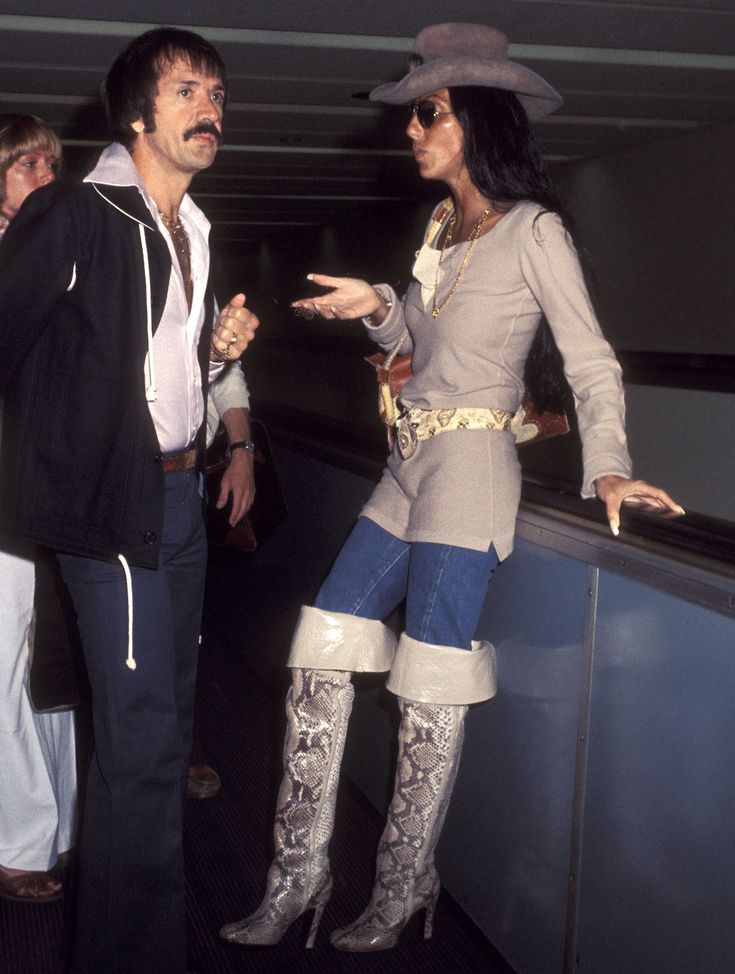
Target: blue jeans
{"type": "Point", "coordinates": [130, 901]}
{"type": "Point", "coordinates": [444, 586]}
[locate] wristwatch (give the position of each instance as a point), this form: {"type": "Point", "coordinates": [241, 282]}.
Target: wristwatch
{"type": "Point", "coordinates": [247, 445]}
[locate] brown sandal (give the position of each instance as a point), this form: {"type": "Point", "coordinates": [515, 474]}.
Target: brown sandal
{"type": "Point", "coordinates": [30, 887]}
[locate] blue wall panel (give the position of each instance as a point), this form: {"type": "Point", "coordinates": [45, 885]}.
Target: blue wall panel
{"type": "Point", "coordinates": [658, 867]}
{"type": "Point", "coordinates": [505, 851]}
{"type": "Point", "coordinates": [657, 876]}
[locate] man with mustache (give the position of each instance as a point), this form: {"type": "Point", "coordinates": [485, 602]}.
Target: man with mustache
{"type": "Point", "coordinates": [110, 335]}
{"type": "Point", "coordinates": [203, 128]}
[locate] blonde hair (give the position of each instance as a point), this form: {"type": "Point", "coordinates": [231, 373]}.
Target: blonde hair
{"type": "Point", "coordinates": [20, 134]}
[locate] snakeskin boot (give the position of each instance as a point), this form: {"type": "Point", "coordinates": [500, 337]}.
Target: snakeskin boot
{"type": "Point", "coordinates": [318, 707]}
{"type": "Point", "coordinates": [430, 740]}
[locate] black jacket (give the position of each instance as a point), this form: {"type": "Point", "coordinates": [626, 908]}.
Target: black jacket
{"type": "Point", "coordinates": [81, 465]}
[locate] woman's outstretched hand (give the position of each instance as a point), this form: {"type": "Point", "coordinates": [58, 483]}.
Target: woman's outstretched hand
{"type": "Point", "coordinates": [615, 491]}
{"type": "Point", "coordinates": [348, 298]}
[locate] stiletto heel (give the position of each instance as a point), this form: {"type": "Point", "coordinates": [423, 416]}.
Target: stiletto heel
{"type": "Point", "coordinates": [315, 921]}
{"type": "Point", "coordinates": [406, 880]}
{"type": "Point", "coordinates": [318, 707]}
{"type": "Point", "coordinates": [429, 918]}
{"type": "Point", "coordinates": [430, 739]}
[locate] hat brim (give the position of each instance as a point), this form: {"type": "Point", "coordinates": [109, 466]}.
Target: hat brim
{"type": "Point", "coordinates": [536, 95]}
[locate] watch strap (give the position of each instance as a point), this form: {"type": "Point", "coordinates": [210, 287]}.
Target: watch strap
{"type": "Point", "coordinates": [247, 445]}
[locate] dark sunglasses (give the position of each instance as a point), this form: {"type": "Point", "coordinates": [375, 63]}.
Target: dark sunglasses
{"type": "Point", "coordinates": [426, 113]}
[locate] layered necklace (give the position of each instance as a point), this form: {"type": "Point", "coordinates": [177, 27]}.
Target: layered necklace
{"type": "Point", "coordinates": [437, 306]}
{"type": "Point", "coordinates": [180, 239]}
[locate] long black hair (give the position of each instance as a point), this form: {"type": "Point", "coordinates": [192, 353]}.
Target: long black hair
{"type": "Point", "coordinates": [505, 163]}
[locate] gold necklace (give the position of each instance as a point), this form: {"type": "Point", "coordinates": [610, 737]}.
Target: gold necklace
{"type": "Point", "coordinates": [176, 229]}
{"type": "Point", "coordinates": [436, 307]}
{"type": "Point", "coordinates": [180, 238]}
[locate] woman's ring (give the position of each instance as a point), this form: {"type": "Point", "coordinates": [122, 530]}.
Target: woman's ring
{"type": "Point", "coordinates": [233, 340]}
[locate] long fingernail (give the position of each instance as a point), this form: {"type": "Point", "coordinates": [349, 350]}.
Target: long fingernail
{"type": "Point", "coordinates": [680, 509]}
{"type": "Point", "coordinates": [614, 528]}
{"type": "Point", "coordinates": [309, 277]}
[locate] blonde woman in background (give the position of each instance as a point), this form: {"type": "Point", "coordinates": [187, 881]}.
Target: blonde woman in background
{"type": "Point", "coordinates": [37, 756]}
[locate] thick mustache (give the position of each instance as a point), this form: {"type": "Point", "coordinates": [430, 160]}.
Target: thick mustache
{"type": "Point", "coordinates": [203, 128]}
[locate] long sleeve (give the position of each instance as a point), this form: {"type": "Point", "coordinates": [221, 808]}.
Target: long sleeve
{"type": "Point", "coordinates": [228, 391]}
{"type": "Point", "coordinates": [554, 276]}
{"type": "Point", "coordinates": [37, 249]}
{"type": "Point", "coordinates": [393, 328]}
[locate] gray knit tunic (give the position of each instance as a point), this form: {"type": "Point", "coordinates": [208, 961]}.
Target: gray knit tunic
{"type": "Point", "coordinates": [463, 487]}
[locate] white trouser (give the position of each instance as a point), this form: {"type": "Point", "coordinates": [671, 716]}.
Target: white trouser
{"type": "Point", "coordinates": [37, 759]}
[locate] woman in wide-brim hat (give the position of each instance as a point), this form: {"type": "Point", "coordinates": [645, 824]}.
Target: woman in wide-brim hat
{"type": "Point", "coordinates": [496, 258]}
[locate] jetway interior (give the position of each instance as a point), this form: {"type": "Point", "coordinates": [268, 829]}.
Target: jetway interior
{"type": "Point", "coordinates": [312, 176]}
{"type": "Point", "coordinates": [596, 790]}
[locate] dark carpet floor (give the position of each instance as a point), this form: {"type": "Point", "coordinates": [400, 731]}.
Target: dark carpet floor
{"type": "Point", "coordinates": [228, 842]}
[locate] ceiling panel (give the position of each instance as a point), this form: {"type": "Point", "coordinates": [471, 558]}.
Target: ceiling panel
{"type": "Point", "coordinates": [302, 150]}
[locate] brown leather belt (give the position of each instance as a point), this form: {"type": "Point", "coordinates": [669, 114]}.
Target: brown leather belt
{"type": "Point", "coordinates": [186, 460]}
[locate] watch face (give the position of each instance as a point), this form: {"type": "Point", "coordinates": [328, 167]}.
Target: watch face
{"type": "Point", "coordinates": [247, 445]}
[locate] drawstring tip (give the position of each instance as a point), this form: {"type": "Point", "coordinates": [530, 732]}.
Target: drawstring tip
{"type": "Point", "coordinates": [130, 659]}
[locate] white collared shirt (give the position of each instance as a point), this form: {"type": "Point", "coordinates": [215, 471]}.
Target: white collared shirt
{"type": "Point", "coordinates": [178, 407]}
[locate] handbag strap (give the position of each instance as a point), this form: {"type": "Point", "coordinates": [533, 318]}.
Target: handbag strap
{"type": "Point", "coordinates": [390, 357]}
{"type": "Point", "coordinates": [441, 214]}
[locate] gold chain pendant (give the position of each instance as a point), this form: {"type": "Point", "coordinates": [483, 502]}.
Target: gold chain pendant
{"type": "Point", "coordinates": [436, 307]}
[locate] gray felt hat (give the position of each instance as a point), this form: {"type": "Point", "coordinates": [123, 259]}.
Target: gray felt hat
{"type": "Point", "coordinates": [469, 54]}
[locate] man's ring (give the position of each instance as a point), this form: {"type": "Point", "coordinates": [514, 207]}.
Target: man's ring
{"type": "Point", "coordinates": [233, 340]}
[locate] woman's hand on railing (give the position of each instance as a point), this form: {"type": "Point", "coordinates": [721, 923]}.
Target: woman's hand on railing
{"type": "Point", "coordinates": [614, 491]}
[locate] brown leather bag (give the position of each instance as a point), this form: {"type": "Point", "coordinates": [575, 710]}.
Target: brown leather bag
{"type": "Point", "coordinates": [529, 425]}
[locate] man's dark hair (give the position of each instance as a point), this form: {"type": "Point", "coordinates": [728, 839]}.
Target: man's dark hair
{"type": "Point", "coordinates": [131, 85]}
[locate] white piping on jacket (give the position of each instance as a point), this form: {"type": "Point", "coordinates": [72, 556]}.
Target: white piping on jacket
{"type": "Point", "coordinates": [130, 661]}
{"type": "Point", "coordinates": [73, 280]}
{"type": "Point", "coordinates": [151, 393]}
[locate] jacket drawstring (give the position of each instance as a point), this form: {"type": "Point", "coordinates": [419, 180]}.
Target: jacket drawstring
{"type": "Point", "coordinates": [130, 661]}
{"type": "Point", "coordinates": [151, 393]}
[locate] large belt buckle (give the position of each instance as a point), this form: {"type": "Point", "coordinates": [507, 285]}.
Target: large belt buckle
{"type": "Point", "coordinates": [406, 437]}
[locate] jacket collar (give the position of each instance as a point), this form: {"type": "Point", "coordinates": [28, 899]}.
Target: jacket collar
{"type": "Point", "coordinates": [116, 177]}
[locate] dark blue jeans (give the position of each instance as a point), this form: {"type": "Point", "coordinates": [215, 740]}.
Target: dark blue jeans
{"type": "Point", "coordinates": [444, 586]}
{"type": "Point", "coordinates": [130, 904]}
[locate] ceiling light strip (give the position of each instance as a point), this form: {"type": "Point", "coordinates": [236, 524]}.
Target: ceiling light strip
{"type": "Point", "coordinates": [336, 197]}
{"type": "Point", "coordinates": [227, 36]}
{"type": "Point", "coordinates": [272, 149]}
